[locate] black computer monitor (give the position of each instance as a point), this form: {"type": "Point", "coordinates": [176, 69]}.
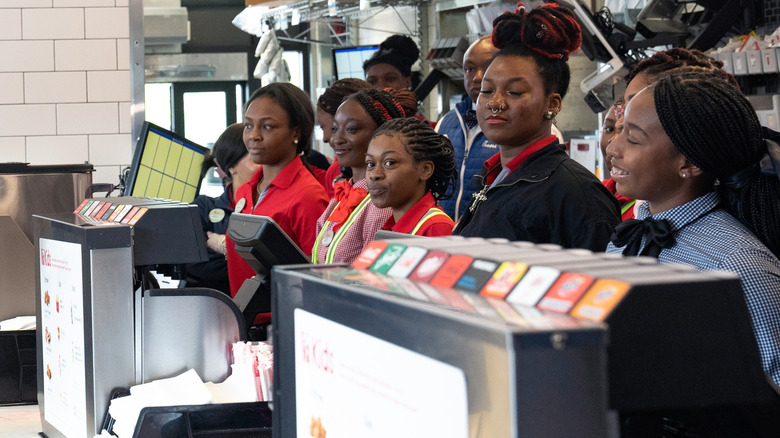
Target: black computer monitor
{"type": "Point", "coordinates": [165, 165]}
{"type": "Point", "coordinates": [348, 61]}
{"type": "Point", "coordinates": [263, 244]}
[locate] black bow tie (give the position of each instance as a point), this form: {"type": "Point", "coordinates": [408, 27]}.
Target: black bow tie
{"type": "Point", "coordinates": [629, 233]}
{"type": "Point", "coordinates": [471, 119]}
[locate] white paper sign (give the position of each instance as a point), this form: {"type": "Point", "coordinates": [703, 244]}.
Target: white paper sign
{"type": "Point", "coordinates": [350, 384]}
{"type": "Point", "coordinates": [62, 329]}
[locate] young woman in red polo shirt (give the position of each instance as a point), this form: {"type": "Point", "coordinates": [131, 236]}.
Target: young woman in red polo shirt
{"type": "Point", "coordinates": [408, 168]}
{"type": "Point", "coordinates": [279, 122]}
{"type": "Point", "coordinates": [351, 220]}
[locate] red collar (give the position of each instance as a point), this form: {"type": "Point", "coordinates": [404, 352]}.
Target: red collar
{"type": "Point", "coordinates": [348, 197]}
{"type": "Point", "coordinates": [493, 164]}
{"type": "Point", "coordinates": [410, 219]}
{"type": "Point", "coordinates": [285, 178]}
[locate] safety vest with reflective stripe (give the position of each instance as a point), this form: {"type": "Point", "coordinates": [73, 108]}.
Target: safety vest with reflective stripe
{"type": "Point", "coordinates": [334, 243]}
{"type": "Point", "coordinates": [431, 213]}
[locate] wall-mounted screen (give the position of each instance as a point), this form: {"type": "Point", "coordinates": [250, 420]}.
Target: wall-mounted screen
{"type": "Point", "coordinates": [348, 61]}
{"type": "Point", "coordinates": [165, 165]}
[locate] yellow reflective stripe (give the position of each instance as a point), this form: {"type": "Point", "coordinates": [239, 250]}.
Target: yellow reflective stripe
{"type": "Point", "coordinates": [331, 254]}
{"type": "Point", "coordinates": [627, 206]}
{"type": "Point", "coordinates": [316, 248]}
{"type": "Point", "coordinates": [431, 213]}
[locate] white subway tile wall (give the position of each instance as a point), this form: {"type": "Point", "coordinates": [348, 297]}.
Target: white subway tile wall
{"type": "Point", "coordinates": [52, 24]}
{"type": "Point", "coordinates": [12, 149]}
{"type": "Point", "coordinates": [124, 121]}
{"type": "Point", "coordinates": [85, 55]}
{"type": "Point", "coordinates": [55, 87]}
{"type": "Point", "coordinates": [87, 118]}
{"type": "Point", "coordinates": [11, 88]}
{"type": "Point", "coordinates": [65, 84]}
{"type": "Point", "coordinates": [27, 3]}
{"type": "Point", "coordinates": [87, 3]}
{"type": "Point", "coordinates": [107, 22]}
{"type": "Point", "coordinates": [102, 151]}
{"type": "Point", "coordinates": [12, 24]}
{"type": "Point", "coordinates": [26, 56]}
{"type": "Point", "coordinates": [107, 174]}
{"type": "Point", "coordinates": [123, 54]}
{"type": "Point", "coordinates": [28, 119]}
{"type": "Point", "coordinates": [59, 149]}
{"type": "Point", "coordinates": [108, 86]}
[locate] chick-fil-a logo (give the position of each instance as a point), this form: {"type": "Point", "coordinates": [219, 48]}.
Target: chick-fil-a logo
{"type": "Point", "coordinates": [45, 257]}
{"type": "Point", "coordinates": [316, 352]}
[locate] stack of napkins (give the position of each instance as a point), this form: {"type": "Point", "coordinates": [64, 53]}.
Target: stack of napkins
{"type": "Point", "coordinates": [18, 323]}
{"type": "Point", "coordinates": [184, 389]}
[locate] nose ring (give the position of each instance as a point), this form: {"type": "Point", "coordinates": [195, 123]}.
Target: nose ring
{"type": "Point", "coordinates": [495, 110]}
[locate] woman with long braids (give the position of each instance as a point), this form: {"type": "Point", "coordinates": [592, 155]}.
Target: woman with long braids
{"type": "Point", "coordinates": [531, 190]}
{"type": "Point", "coordinates": [278, 124]}
{"type": "Point", "coordinates": [645, 73]}
{"type": "Point", "coordinates": [351, 220]}
{"type": "Point", "coordinates": [693, 148]}
{"type": "Point", "coordinates": [409, 167]}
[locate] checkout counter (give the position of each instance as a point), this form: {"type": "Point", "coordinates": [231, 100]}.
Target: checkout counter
{"type": "Point", "coordinates": [101, 326]}
{"type": "Point", "coordinates": [514, 340]}
{"type": "Point", "coordinates": [420, 337]}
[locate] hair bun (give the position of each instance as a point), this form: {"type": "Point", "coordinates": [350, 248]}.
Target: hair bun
{"type": "Point", "coordinates": [550, 30]}
{"type": "Point", "coordinates": [400, 51]}
{"type": "Point", "coordinates": [401, 45]}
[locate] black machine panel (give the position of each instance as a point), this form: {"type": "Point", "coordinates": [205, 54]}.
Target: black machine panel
{"type": "Point", "coordinates": [165, 232]}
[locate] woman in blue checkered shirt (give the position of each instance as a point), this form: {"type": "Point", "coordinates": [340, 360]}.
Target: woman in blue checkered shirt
{"type": "Point", "coordinates": [692, 146]}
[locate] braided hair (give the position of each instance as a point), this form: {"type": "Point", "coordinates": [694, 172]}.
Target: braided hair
{"type": "Point", "coordinates": [548, 34]}
{"type": "Point", "coordinates": [379, 104]}
{"type": "Point", "coordinates": [715, 127]}
{"type": "Point", "coordinates": [406, 98]}
{"type": "Point", "coordinates": [425, 144]}
{"type": "Point", "coordinates": [330, 100]}
{"type": "Point", "coordinates": [662, 62]}
{"type": "Point", "coordinates": [295, 102]}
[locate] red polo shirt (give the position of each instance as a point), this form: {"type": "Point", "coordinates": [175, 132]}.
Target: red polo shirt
{"type": "Point", "coordinates": [435, 225]}
{"type": "Point", "coordinates": [294, 200]}
{"type": "Point", "coordinates": [493, 164]}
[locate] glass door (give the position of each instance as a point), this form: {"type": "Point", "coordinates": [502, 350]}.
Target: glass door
{"type": "Point", "coordinates": [202, 110]}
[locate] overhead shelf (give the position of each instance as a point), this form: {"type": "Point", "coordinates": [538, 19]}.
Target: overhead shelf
{"type": "Point", "coordinates": [319, 9]}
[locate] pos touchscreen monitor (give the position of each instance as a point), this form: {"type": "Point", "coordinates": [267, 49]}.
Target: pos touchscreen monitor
{"type": "Point", "coordinates": [165, 165]}
{"type": "Point", "coordinates": [263, 245]}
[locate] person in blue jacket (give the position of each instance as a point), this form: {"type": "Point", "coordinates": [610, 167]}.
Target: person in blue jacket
{"type": "Point", "coordinates": [460, 125]}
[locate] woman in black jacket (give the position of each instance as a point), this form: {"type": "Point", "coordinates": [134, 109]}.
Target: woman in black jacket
{"type": "Point", "coordinates": [531, 190]}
